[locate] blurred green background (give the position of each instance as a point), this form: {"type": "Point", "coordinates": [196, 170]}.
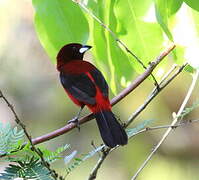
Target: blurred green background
{"type": "Point", "coordinates": [31, 83]}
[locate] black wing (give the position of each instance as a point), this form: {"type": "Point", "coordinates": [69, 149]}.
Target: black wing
{"type": "Point", "coordinates": [100, 81]}
{"type": "Point", "coordinates": [79, 86]}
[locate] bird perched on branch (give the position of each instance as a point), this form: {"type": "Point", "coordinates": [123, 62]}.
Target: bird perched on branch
{"type": "Point", "coordinates": [85, 85]}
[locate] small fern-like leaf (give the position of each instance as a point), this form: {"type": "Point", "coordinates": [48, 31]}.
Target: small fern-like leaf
{"type": "Point", "coordinates": [10, 138]}
{"type": "Point", "coordinates": [29, 170]}
{"type": "Point", "coordinates": [78, 161]}
{"type": "Point", "coordinates": [188, 110]}
{"type": "Point", "coordinates": [25, 154]}
{"type": "Point", "coordinates": [51, 156]}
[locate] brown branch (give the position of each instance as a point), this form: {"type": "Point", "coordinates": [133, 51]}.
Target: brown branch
{"type": "Point", "coordinates": [33, 148]}
{"type": "Point", "coordinates": [143, 76]}
{"type": "Point", "coordinates": [114, 101]}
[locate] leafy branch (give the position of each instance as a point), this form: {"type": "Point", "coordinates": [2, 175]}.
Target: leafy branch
{"type": "Point", "coordinates": [24, 162]}
{"type": "Point", "coordinates": [33, 148]}
{"type": "Point", "coordinates": [10, 138]}
{"type": "Point", "coordinates": [32, 169]}
{"type": "Point", "coordinates": [114, 101]}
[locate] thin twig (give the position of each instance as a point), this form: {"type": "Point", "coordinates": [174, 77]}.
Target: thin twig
{"type": "Point", "coordinates": [154, 93]}
{"type": "Point", "coordinates": [175, 119]}
{"type": "Point", "coordinates": [93, 174]}
{"type": "Point", "coordinates": [165, 127]}
{"type": "Point", "coordinates": [137, 112]}
{"type": "Point", "coordinates": [114, 101]}
{"type": "Point", "coordinates": [33, 148]}
{"type": "Point", "coordinates": [114, 36]}
{"type": "Point", "coordinates": [171, 70]}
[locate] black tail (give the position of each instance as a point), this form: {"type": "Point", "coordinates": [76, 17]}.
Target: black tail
{"type": "Point", "coordinates": [111, 131]}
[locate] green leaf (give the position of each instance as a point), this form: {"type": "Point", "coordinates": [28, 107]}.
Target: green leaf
{"type": "Point", "coordinates": [51, 156]}
{"type": "Point", "coordinates": [193, 4]}
{"type": "Point", "coordinates": [78, 161]}
{"type": "Point", "coordinates": [10, 138]}
{"type": "Point", "coordinates": [59, 22]}
{"type": "Point", "coordinates": [109, 57]}
{"type": "Point", "coordinates": [192, 43]}
{"type": "Point", "coordinates": [127, 21]}
{"type": "Point", "coordinates": [28, 164]}
{"type": "Point", "coordinates": [178, 54]}
{"type": "Point", "coordinates": [140, 35]}
{"type": "Point", "coordinates": [164, 10]}
{"type": "Point", "coordinates": [132, 131]}
{"type": "Point", "coordinates": [28, 170]}
{"type": "Point", "coordinates": [188, 110]}
{"type": "Point", "coordinates": [26, 153]}
{"type": "Point", "coordinates": [189, 69]}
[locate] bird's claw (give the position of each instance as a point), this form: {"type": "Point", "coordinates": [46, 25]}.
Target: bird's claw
{"type": "Point", "coordinates": [75, 121]}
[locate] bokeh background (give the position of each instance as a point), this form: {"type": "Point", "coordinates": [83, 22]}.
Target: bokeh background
{"type": "Point", "coordinates": [30, 81]}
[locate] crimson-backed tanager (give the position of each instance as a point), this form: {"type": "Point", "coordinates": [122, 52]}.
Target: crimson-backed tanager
{"type": "Point", "coordinates": [85, 85]}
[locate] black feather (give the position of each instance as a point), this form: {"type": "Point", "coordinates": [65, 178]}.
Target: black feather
{"type": "Point", "coordinates": [79, 86]}
{"type": "Point", "coordinates": [111, 131]}
{"type": "Point", "coordinates": [100, 81]}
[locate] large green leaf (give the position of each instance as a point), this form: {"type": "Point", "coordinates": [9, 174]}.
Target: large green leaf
{"type": "Point", "coordinates": [109, 57]}
{"type": "Point", "coordinates": [193, 4]}
{"type": "Point", "coordinates": [144, 38]}
{"type": "Point", "coordinates": [126, 20]}
{"type": "Point", "coordinates": [164, 9]}
{"type": "Point", "coordinates": [192, 44]}
{"type": "Point", "coordinates": [59, 22]}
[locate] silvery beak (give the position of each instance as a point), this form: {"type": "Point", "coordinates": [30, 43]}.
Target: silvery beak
{"type": "Point", "coordinates": [84, 48]}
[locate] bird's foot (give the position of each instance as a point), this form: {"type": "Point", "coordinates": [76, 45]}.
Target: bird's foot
{"type": "Point", "coordinates": [75, 121]}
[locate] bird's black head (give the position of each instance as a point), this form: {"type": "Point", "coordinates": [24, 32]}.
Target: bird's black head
{"type": "Point", "coordinates": [73, 51]}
